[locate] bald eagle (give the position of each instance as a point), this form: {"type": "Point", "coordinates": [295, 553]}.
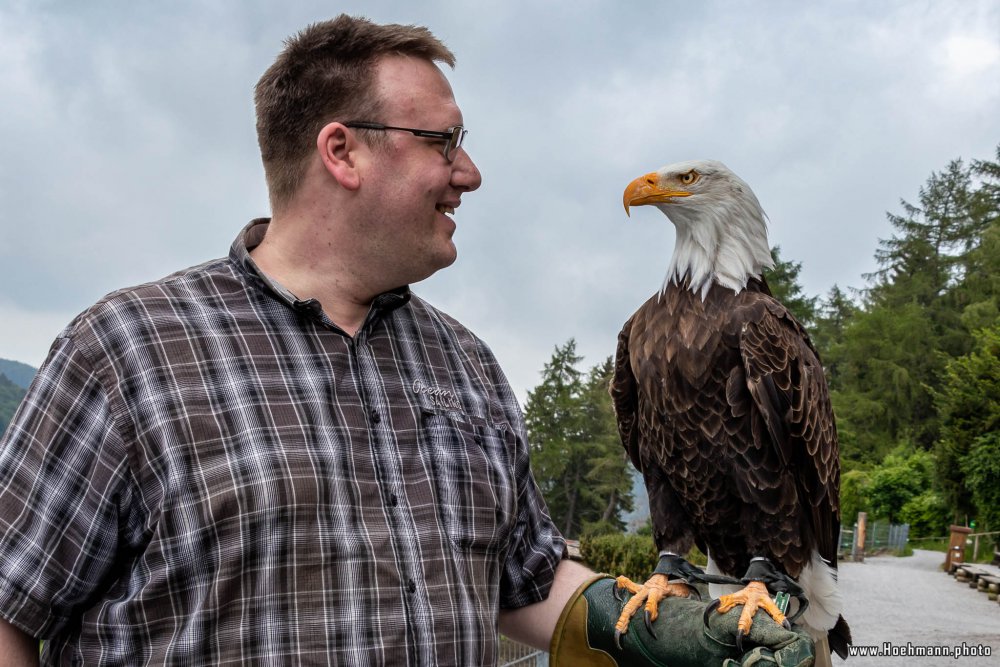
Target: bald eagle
{"type": "Point", "coordinates": [723, 407]}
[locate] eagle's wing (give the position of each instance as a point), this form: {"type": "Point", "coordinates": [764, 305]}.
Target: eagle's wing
{"type": "Point", "coordinates": [671, 527]}
{"type": "Point", "coordinates": [792, 414]}
{"type": "Point", "coordinates": [625, 397]}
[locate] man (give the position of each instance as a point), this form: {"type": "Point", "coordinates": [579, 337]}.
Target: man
{"type": "Point", "coordinates": [284, 456]}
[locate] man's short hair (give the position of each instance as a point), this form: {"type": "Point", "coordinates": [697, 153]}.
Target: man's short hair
{"type": "Point", "coordinates": [326, 73]}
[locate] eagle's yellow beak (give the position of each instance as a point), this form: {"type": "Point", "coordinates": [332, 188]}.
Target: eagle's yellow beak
{"type": "Point", "coordinates": [647, 190]}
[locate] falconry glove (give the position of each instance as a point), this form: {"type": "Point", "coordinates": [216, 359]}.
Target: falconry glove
{"type": "Point", "coordinates": [585, 635]}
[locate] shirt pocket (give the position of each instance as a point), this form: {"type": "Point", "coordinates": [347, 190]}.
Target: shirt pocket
{"type": "Point", "coordinates": [473, 479]}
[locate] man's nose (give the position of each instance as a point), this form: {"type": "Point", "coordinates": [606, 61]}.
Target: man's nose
{"type": "Point", "coordinates": [465, 174]}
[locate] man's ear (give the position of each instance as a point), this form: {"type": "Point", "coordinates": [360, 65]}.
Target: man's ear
{"type": "Point", "coordinates": [338, 148]}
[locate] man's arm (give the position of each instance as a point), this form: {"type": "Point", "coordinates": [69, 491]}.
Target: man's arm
{"type": "Point", "coordinates": [534, 624]}
{"type": "Point", "coordinates": [17, 648]}
{"type": "Point", "coordinates": [681, 636]}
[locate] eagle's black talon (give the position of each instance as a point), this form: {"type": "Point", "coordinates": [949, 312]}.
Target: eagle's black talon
{"type": "Point", "coordinates": [615, 591]}
{"type": "Point", "coordinates": [708, 610]}
{"type": "Point", "coordinates": [739, 641]}
{"type": "Point", "coordinates": [762, 570]}
{"type": "Point", "coordinates": [649, 624]}
{"type": "Point", "coordinates": [694, 594]}
{"type": "Point", "coordinates": [786, 625]}
{"type": "Point", "coordinates": [618, 639]}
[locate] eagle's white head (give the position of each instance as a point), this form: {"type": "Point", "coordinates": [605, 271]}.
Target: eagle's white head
{"type": "Point", "coordinates": [721, 228]}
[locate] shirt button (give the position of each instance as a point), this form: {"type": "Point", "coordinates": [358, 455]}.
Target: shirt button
{"type": "Point", "coordinates": [478, 439]}
{"type": "Point", "coordinates": [411, 586]}
{"type": "Point", "coordinates": [393, 500]}
{"type": "Point", "coordinates": [375, 417]}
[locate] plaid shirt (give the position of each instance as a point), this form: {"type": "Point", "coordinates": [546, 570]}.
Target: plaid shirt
{"type": "Point", "coordinates": [206, 470]}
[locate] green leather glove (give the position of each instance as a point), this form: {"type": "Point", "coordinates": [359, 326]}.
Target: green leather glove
{"type": "Point", "coordinates": [584, 635]}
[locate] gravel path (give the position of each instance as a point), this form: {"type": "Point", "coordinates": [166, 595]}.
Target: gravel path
{"type": "Point", "coordinates": [911, 601]}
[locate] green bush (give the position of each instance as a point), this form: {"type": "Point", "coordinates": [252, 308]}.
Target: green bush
{"type": "Point", "coordinates": [905, 474]}
{"type": "Point", "coordinates": [634, 556]}
{"type": "Point", "coordinates": [982, 469]}
{"type": "Point", "coordinates": [853, 495]}
{"type": "Point", "coordinates": [930, 543]}
{"type": "Point", "coordinates": [599, 529]}
{"type": "Point", "coordinates": [928, 514]}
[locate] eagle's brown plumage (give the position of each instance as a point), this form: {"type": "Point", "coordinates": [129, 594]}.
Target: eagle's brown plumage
{"type": "Point", "coordinates": [728, 418]}
{"type": "Point", "coordinates": [721, 399]}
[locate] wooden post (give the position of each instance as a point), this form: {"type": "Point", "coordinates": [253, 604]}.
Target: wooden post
{"type": "Point", "coordinates": [956, 548]}
{"type": "Point", "coordinates": [859, 556]}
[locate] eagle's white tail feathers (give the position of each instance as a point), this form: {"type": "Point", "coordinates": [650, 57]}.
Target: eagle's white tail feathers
{"type": "Point", "coordinates": [818, 580]}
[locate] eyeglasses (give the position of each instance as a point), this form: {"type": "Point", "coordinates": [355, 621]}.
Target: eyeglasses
{"type": "Point", "coordinates": [454, 136]}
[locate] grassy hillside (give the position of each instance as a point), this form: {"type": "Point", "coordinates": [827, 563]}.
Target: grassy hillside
{"type": "Point", "coordinates": [18, 373]}
{"type": "Point", "coordinates": [10, 398]}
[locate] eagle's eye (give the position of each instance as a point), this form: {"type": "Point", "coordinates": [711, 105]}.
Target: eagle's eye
{"type": "Point", "coordinates": [690, 177]}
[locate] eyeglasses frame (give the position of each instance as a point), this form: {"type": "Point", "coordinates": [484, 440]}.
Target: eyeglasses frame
{"type": "Point", "coordinates": [454, 135]}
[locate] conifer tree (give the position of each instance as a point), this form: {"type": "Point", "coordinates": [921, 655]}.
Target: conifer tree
{"type": "Point", "coordinates": [577, 458]}
{"type": "Point", "coordinates": [783, 280]}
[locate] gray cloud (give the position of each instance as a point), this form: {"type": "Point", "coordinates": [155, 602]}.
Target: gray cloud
{"type": "Point", "coordinates": [129, 148]}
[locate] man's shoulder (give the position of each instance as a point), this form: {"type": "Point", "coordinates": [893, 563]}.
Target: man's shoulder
{"type": "Point", "coordinates": [462, 337]}
{"type": "Point", "coordinates": [424, 310]}
{"type": "Point", "coordinates": [156, 300]}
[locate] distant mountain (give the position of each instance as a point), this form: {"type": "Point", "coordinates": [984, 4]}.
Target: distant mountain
{"type": "Point", "coordinates": [18, 373]}
{"type": "Point", "coordinates": [10, 398]}
{"type": "Point", "coordinates": [638, 517]}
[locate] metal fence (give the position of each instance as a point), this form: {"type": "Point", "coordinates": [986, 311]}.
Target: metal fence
{"type": "Point", "coordinates": [847, 539]}
{"type": "Point", "coordinates": [883, 535]}
{"type": "Point", "coordinates": [514, 654]}
{"type": "Point", "coordinates": [879, 536]}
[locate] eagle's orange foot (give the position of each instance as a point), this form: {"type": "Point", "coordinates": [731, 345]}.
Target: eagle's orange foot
{"type": "Point", "coordinates": [755, 596]}
{"type": "Point", "coordinates": [649, 595]}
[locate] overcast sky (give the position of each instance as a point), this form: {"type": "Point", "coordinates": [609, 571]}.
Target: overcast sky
{"type": "Point", "coordinates": [128, 145]}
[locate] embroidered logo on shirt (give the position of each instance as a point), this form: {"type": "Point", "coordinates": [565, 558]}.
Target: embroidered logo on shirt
{"type": "Point", "coordinates": [440, 398]}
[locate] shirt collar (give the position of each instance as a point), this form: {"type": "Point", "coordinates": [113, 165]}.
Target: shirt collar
{"type": "Point", "coordinates": [251, 236]}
